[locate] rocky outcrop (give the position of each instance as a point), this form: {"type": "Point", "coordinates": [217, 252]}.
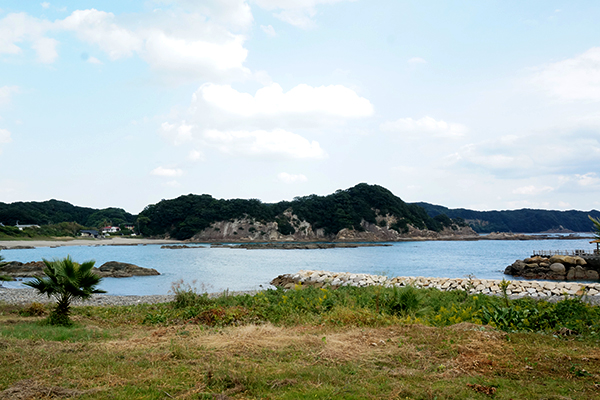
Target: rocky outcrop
{"type": "Point", "coordinates": [537, 289]}
{"type": "Point", "coordinates": [16, 269]}
{"type": "Point", "coordinates": [111, 269]}
{"type": "Point", "coordinates": [252, 230]}
{"type": "Point", "coordinates": [299, 246]}
{"type": "Point", "coordinates": [114, 269]}
{"type": "Point", "coordinates": [556, 267]}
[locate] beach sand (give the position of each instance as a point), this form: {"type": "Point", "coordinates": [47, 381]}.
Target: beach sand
{"type": "Point", "coordinates": [116, 241]}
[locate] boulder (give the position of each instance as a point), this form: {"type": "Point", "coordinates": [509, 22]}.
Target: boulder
{"type": "Point", "coordinates": [558, 268]}
{"type": "Point", "coordinates": [115, 269]}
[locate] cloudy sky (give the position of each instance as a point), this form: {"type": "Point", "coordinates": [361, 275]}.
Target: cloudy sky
{"type": "Point", "coordinates": [470, 103]}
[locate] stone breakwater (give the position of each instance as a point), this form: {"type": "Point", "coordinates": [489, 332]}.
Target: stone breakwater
{"type": "Point", "coordinates": [539, 289]}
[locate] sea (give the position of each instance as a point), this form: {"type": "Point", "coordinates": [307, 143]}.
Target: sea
{"type": "Point", "coordinates": [235, 269]}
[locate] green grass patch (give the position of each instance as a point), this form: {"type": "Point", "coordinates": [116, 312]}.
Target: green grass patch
{"type": "Point", "coordinates": [39, 330]}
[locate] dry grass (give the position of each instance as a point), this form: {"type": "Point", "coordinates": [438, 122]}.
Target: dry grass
{"type": "Point", "coordinates": [305, 361]}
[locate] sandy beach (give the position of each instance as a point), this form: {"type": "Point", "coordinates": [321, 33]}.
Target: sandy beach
{"type": "Point", "coordinates": [116, 241]}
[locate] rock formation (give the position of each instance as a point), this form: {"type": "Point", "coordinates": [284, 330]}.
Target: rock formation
{"type": "Point", "coordinates": [557, 267]}
{"type": "Point", "coordinates": [111, 269]}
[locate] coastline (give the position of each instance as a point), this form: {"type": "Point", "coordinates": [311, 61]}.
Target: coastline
{"type": "Point", "coordinates": [120, 241]}
{"type": "Point", "coordinates": [116, 241]}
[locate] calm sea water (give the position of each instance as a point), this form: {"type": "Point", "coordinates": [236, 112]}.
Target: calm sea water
{"type": "Point", "coordinates": [238, 269]}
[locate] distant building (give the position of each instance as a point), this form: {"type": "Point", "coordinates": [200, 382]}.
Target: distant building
{"type": "Point", "coordinates": [89, 233]}
{"type": "Point", "coordinates": [110, 229]}
{"type": "Point", "coordinates": [21, 226]}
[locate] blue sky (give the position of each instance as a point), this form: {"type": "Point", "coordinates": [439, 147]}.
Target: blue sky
{"type": "Point", "coordinates": [474, 104]}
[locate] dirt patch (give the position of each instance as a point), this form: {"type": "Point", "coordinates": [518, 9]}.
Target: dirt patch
{"type": "Point", "coordinates": [30, 389]}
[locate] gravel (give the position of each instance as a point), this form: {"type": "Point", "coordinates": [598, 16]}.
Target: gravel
{"type": "Point", "coordinates": [28, 296]}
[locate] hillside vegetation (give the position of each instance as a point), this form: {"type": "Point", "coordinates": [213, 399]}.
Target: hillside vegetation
{"type": "Point", "coordinates": [54, 212]}
{"type": "Point", "coordinates": [523, 221]}
{"type": "Point", "coordinates": [185, 216]}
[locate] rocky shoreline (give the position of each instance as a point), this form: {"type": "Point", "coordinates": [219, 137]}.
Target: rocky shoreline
{"type": "Point", "coordinates": [516, 289]}
{"type": "Point", "coordinates": [110, 269]}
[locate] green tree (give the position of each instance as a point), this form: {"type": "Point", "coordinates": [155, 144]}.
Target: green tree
{"type": "Point", "coordinates": [66, 281]}
{"type": "Point", "coordinates": [596, 222]}
{"type": "Point", "coordinates": [3, 278]}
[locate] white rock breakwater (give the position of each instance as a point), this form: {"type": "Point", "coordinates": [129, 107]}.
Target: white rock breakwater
{"type": "Point", "coordinates": [539, 289]}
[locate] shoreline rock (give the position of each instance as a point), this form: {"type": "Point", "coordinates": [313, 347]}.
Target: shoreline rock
{"type": "Point", "coordinates": [557, 267]}
{"type": "Point", "coordinates": [300, 245]}
{"type": "Point", "coordinates": [111, 269]}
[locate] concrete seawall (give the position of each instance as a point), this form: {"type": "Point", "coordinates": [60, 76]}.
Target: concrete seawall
{"type": "Point", "coordinates": [537, 289]}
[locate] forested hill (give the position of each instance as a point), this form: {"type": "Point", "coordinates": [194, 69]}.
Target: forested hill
{"type": "Point", "coordinates": [55, 212]}
{"type": "Point", "coordinates": [186, 216]}
{"type": "Point", "coordinates": [518, 221]}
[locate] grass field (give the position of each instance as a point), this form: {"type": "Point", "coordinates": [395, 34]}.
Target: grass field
{"type": "Point", "coordinates": [370, 343]}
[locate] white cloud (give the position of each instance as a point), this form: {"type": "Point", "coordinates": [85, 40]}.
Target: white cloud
{"type": "Point", "coordinates": [417, 60]}
{"type": "Point", "coordinates": [295, 12]}
{"type": "Point", "coordinates": [100, 28]}
{"type": "Point", "coordinates": [234, 13]}
{"type": "Point", "coordinates": [425, 125]}
{"type": "Point", "coordinates": [572, 79]}
{"type": "Point", "coordinates": [168, 172]}
{"type": "Point", "coordinates": [196, 155]}
{"type": "Point", "coordinates": [588, 180]}
{"type": "Point", "coordinates": [264, 143]}
{"type": "Point", "coordinates": [197, 57]}
{"type": "Point", "coordinates": [5, 136]}
{"type": "Point", "coordinates": [46, 49]}
{"type": "Point", "coordinates": [178, 134]}
{"type": "Point", "coordinates": [94, 60]}
{"type": "Point", "coordinates": [291, 178]}
{"type": "Point", "coordinates": [6, 93]}
{"type": "Point", "coordinates": [269, 30]}
{"type": "Point", "coordinates": [333, 100]}
{"type": "Point", "coordinates": [45, 5]}
{"type": "Point", "coordinates": [20, 27]}
{"type": "Point", "coordinates": [532, 190]}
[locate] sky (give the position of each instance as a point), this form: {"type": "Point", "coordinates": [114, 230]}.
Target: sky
{"type": "Point", "coordinates": [487, 105]}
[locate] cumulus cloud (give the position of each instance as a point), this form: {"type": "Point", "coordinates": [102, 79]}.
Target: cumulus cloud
{"type": "Point", "coordinates": [168, 172]}
{"type": "Point", "coordinates": [532, 190]}
{"type": "Point", "coordinates": [195, 155]}
{"type": "Point", "coordinates": [5, 136]}
{"type": "Point", "coordinates": [234, 13]}
{"type": "Point", "coordinates": [277, 142]}
{"type": "Point", "coordinates": [269, 30]}
{"type": "Point", "coordinates": [299, 13]}
{"type": "Point", "coordinates": [6, 93]}
{"type": "Point", "coordinates": [193, 47]}
{"type": "Point", "coordinates": [177, 134]}
{"type": "Point", "coordinates": [291, 178]}
{"type": "Point", "coordinates": [94, 60]}
{"type": "Point", "coordinates": [16, 28]}
{"type": "Point", "coordinates": [99, 28]}
{"type": "Point", "coordinates": [576, 78]}
{"type": "Point", "coordinates": [197, 57]}
{"type": "Point", "coordinates": [426, 126]}
{"type": "Point", "coordinates": [271, 100]}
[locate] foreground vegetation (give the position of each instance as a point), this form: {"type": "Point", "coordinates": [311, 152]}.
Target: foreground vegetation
{"type": "Point", "coordinates": [352, 343]}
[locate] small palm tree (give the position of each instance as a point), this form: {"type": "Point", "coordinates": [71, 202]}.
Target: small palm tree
{"type": "Point", "coordinates": [3, 278]}
{"type": "Point", "coordinates": [596, 222]}
{"type": "Point", "coordinates": [66, 281]}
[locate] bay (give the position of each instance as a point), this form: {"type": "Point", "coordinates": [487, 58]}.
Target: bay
{"type": "Point", "coordinates": [218, 269]}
